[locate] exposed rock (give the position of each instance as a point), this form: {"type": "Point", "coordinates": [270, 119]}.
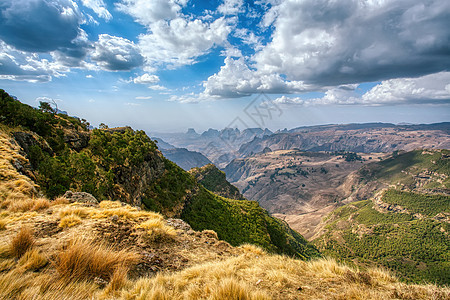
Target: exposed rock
{"type": "Point", "coordinates": [76, 140]}
{"type": "Point", "coordinates": [27, 139]}
{"type": "Point", "coordinates": [179, 224]}
{"type": "Point", "coordinates": [81, 197]}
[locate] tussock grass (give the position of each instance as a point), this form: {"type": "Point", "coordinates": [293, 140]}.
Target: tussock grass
{"type": "Point", "coordinates": [69, 221]}
{"type": "Point", "coordinates": [60, 201]}
{"type": "Point", "coordinates": [156, 229]}
{"type": "Point", "coordinates": [230, 288]}
{"type": "Point", "coordinates": [32, 260]}
{"type": "Point", "coordinates": [3, 224]}
{"type": "Point", "coordinates": [20, 205]}
{"type": "Point", "coordinates": [40, 204]}
{"type": "Point", "coordinates": [83, 260]}
{"type": "Point", "coordinates": [111, 208]}
{"type": "Point", "coordinates": [22, 242]}
{"type": "Point", "coordinates": [81, 212]}
{"type": "Point", "coordinates": [252, 249]}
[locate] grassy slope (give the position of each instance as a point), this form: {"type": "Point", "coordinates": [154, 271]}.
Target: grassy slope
{"type": "Point", "coordinates": [105, 169]}
{"type": "Point", "coordinates": [417, 249]}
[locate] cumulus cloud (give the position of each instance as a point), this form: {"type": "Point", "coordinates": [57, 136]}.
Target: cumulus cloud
{"type": "Point", "coordinates": [24, 66]}
{"type": "Point", "coordinates": [147, 12]}
{"type": "Point", "coordinates": [336, 42]}
{"type": "Point", "coordinates": [39, 25]}
{"type": "Point", "coordinates": [99, 7]}
{"type": "Point", "coordinates": [236, 79]}
{"type": "Point", "coordinates": [174, 39]}
{"type": "Point", "coordinates": [146, 79]}
{"type": "Point", "coordinates": [116, 54]}
{"type": "Point", "coordinates": [180, 41]}
{"type": "Point", "coordinates": [429, 89]}
{"type": "Point", "coordinates": [231, 7]}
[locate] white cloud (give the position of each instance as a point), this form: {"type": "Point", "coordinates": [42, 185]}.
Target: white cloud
{"type": "Point", "coordinates": [146, 79]}
{"type": "Point", "coordinates": [429, 89]}
{"type": "Point", "coordinates": [157, 87]}
{"type": "Point", "coordinates": [99, 7]}
{"type": "Point", "coordinates": [236, 79]}
{"type": "Point", "coordinates": [147, 12]}
{"type": "Point", "coordinates": [116, 54]}
{"type": "Point", "coordinates": [179, 41]}
{"type": "Point", "coordinates": [231, 7]}
{"type": "Point", "coordinates": [335, 42]}
{"type": "Point", "coordinates": [24, 66]}
{"type": "Point", "coordinates": [89, 76]}
{"type": "Point", "coordinates": [143, 97]}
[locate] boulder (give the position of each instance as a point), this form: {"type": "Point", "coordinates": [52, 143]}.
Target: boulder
{"type": "Point", "coordinates": [81, 197]}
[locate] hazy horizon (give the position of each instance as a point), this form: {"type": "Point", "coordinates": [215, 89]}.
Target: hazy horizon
{"type": "Point", "coordinates": [165, 66]}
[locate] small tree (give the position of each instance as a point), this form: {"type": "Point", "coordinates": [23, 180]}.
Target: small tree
{"type": "Point", "coordinates": [46, 107]}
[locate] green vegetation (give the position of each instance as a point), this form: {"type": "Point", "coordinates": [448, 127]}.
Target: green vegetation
{"type": "Point", "coordinates": [404, 168]}
{"type": "Point", "coordinates": [427, 205]}
{"type": "Point", "coordinates": [242, 221]}
{"type": "Point", "coordinates": [215, 180]}
{"type": "Point", "coordinates": [416, 250]}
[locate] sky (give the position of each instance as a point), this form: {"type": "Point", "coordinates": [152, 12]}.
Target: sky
{"type": "Point", "coordinates": [169, 65]}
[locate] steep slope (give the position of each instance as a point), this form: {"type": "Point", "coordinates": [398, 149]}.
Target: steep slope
{"type": "Point", "coordinates": [127, 253]}
{"type": "Point", "coordinates": [122, 164]}
{"type": "Point", "coordinates": [215, 180]}
{"type": "Point", "coordinates": [404, 226]}
{"type": "Point", "coordinates": [297, 186]}
{"type": "Point", "coordinates": [186, 159]}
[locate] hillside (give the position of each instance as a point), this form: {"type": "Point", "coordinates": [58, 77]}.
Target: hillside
{"type": "Point", "coordinates": [184, 158]}
{"type": "Point", "coordinates": [215, 180]}
{"type": "Point", "coordinates": [61, 249]}
{"type": "Point", "coordinates": [125, 165]}
{"type": "Point", "coordinates": [297, 186]}
{"type": "Point", "coordinates": [404, 224]}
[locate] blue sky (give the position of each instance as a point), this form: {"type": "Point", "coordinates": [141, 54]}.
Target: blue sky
{"type": "Point", "coordinates": [168, 65]}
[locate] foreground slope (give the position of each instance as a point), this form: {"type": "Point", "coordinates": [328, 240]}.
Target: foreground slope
{"type": "Point", "coordinates": [123, 164]}
{"type": "Point", "coordinates": [404, 225]}
{"type": "Point", "coordinates": [127, 253]}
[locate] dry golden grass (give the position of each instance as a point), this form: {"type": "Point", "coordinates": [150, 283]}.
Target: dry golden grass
{"type": "Point", "coordinates": [59, 201]}
{"type": "Point", "coordinates": [252, 249]}
{"type": "Point", "coordinates": [84, 260]}
{"type": "Point", "coordinates": [40, 204]}
{"type": "Point", "coordinates": [3, 224]}
{"type": "Point", "coordinates": [156, 229]}
{"type": "Point", "coordinates": [111, 208]}
{"type": "Point", "coordinates": [32, 260]}
{"type": "Point", "coordinates": [277, 277]}
{"type": "Point", "coordinates": [118, 280]}
{"type": "Point", "coordinates": [81, 212]}
{"type": "Point", "coordinates": [69, 221]}
{"type": "Point", "coordinates": [21, 242]}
